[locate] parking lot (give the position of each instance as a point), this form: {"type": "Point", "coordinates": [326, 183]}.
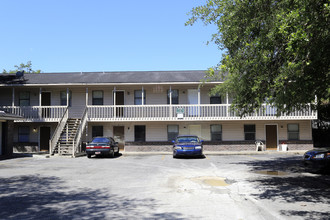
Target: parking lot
{"type": "Point", "coordinates": [260, 186]}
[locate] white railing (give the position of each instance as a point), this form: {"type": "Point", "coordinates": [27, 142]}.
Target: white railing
{"type": "Point", "coordinates": [187, 112]}
{"type": "Point", "coordinates": [56, 135]}
{"type": "Point", "coordinates": [36, 113]}
{"type": "Point", "coordinates": [77, 139]}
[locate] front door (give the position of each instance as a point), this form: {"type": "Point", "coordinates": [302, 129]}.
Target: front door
{"type": "Point", "coordinates": [45, 101]}
{"type": "Point", "coordinates": [271, 137]}
{"type": "Point", "coordinates": [119, 101]}
{"type": "Point", "coordinates": [193, 100]}
{"type": "Point", "coordinates": [119, 136]}
{"type": "Point", "coordinates": [44, 138]}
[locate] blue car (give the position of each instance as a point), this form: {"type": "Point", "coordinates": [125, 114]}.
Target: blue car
{"type": "Point", "coordinates": [318, 159]}
{"type": "Point", "coordinates": [187, 145]}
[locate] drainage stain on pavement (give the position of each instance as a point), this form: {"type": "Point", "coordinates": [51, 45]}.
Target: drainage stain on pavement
{"type": "Point", "coordinates": [272, 173]}
{"type": "Point", "coordinates": [212, 181]}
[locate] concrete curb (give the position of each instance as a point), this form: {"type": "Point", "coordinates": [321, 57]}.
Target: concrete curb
{"type": "Point", "coordinates": [222, 153]}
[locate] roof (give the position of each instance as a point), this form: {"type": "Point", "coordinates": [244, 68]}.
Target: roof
{"type": "Point", "coordinates": [128, 77]}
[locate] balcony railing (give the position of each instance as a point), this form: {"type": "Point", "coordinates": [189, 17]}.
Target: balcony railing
{"type": "Point", "coordinates": [36, 113]}
{"type": "Point", "coordinates": [187, 113]}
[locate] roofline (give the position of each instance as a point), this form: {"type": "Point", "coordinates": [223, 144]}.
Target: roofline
{"type": "Point", "coordinates": [108, 84]}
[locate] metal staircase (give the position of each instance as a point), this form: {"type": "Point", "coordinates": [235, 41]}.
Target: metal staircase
{"type": "Point", "coordinates": [65, 143]}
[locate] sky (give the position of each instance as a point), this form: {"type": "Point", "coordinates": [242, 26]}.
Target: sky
{"type": "Point", "coordinates": [104, 35]}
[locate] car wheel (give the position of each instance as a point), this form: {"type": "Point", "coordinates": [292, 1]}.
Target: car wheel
{"type": "Point", "coordinates": [112, 154]}
{"type": "Point", "coordinates": [89, 155]}
{"type": "Point", "coordinates": [174, 156]}
{"type": "Point", "coordinates": [117, 153]}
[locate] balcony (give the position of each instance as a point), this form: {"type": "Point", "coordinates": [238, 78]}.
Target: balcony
{"type": "Point", "coordinates": [188, 113]}
{"type": "Point", "coordinates": [36, 113]}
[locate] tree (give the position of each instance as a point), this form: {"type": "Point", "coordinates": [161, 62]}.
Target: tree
{"type": "Point", "coordinates": [26, 67]}
{"type": "Point", "coordinates": [276, 52]}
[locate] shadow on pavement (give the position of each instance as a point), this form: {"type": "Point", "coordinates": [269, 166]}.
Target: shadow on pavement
{"type": "Point", "coordinates": [293, 187]}
{"type": "Point", "coordinates": [37, 197]}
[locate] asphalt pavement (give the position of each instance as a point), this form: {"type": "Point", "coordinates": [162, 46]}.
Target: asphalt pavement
{"type": "Point", "coordinates": [156, 186]}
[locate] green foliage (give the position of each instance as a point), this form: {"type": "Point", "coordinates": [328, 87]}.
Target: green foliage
{"type": "Point", "coordinates": [274, 51]}
{"type": "Point", "coordinates": [26, 67]}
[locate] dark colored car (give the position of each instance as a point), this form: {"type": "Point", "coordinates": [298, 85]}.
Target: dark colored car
{"type": "Point", "coordinates": [187, 145]}
{"type": "Point", "coordinates": [102, 146]}
{"type": "Point", "coordinates": [318, 158]}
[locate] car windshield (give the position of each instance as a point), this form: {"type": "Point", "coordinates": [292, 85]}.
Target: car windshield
{"type": "Point", "coordinates": [187, 139]}
{"type": "Point", "coordinates": [100, 140]}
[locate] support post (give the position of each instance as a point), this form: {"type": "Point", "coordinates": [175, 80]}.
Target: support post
{"type": "Point", "coordinates": [142, 96]}
{"type": "Point", "coordinates": [171, 110]}
{"type": "Point", "coordinates": [114, 102]}
{"type": "Point", "coordinates": [13, 98]}
{"type": "Point", "coordinates": [227, 102]}
{"type": "Point", "coordinates": [86, 97]}
{"type": "Point", "coordinates": [67, 97]}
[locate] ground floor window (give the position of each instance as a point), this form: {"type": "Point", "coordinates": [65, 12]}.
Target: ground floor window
{"type": "Point", "coordinates": [172, 132]}
{"type": "Point", "coordinates": [23, 134]}
{"type": "Point", "coordinates": [139, 133]}
{"type": "Point", "coordinates": [293, 131]}
{"type": "Point", "coordinates": [216, 133]}
{"type": "Point", "coordinates": [249, 132]}
{"type": "Point", "coordinates": [97, 131]}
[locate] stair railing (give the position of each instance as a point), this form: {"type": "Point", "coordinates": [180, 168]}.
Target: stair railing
{"type": "Point", "coordinates": [77, 138]}
{"type": "Point", "coordinates": [56, 136]}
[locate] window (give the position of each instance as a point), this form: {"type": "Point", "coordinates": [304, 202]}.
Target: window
{"type": "Point", "coordinates": [172, 132]}
{"type": "Point", "coordinates": [250, 132]}
{"type": "Point", "coordinates": [138, 97]}
{"type": "Point", "coordinates": [216, 133]}
{"type": "Point", "coordinates": [139, 133]}
{"type": "Point", "coordinates": [23, 134]}
{"type": "Point", "coordinates": [293, 131]}
{"type": "Point", "coordinates": [175, 96]}
{"type": "Point", "coordinates": [97, 131]}
{"type": "Point", "coordinates": [215, 99]}
{"type": "Point", "coordinates": [24, 98]}
{"type": "Point", "coordinates": [97, 98]}
{"type": "Point", "coordinates": [63, 98]}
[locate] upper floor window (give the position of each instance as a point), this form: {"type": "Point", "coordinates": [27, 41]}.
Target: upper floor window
{"type": "Point", "coordinates": [215, 99]}
{"type": "Point", "coordinates": [97, 97]}
{"type": "Point", "coordinates": [138, 97]}
{"type": "Point", "coordinates": [216, 133]}
{"type": "Point", "coordinates": [172, 132]}
{"type": "Point", "coordinates": [175, 96]}
{"type": "Point", "coordinates": [23, 134]}
{"type": "Point", "coordinates": [293, 131]}
{"type": "Point", "coordinates": [63, 98]}
{"type": "Point", "coordinates": [250, 132]}
{"type": "Point", "coordinates": [24, 98]}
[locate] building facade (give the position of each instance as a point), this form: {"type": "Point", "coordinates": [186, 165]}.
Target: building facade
{"type": "Point", "coordinates": [142, 111]}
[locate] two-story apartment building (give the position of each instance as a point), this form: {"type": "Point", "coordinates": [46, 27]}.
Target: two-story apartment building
{"type": "Point", "coordinates": [141, 110]}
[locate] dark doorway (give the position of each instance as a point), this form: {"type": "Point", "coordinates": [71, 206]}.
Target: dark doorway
{"type": "Point", "coordinates": [271, 137]}
{"type": "Point", "coordinates": [44, 138]}
{"type": "Point", "coordinates": [45, 101]}
{"type": "Point", "coordinates": [120, 101]}
{"type": "Point", "coordinates": [140, 133]}
{"type": "Point", "coordinates": [119, 136]}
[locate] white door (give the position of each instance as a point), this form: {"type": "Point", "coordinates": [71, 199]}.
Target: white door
{"type": "Point", "coordinates": [193, 100]}
{"type": "Point", "coordinates": [195, 130]}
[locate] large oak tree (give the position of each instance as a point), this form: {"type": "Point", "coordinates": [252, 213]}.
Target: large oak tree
{"type": "Point", "coordinates": [274, 51]}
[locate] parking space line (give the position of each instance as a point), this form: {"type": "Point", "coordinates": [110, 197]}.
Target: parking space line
{"type": "Point", "coordinates": [207, 157]}
{"type": "Point", "coordinates": [163, 157]}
